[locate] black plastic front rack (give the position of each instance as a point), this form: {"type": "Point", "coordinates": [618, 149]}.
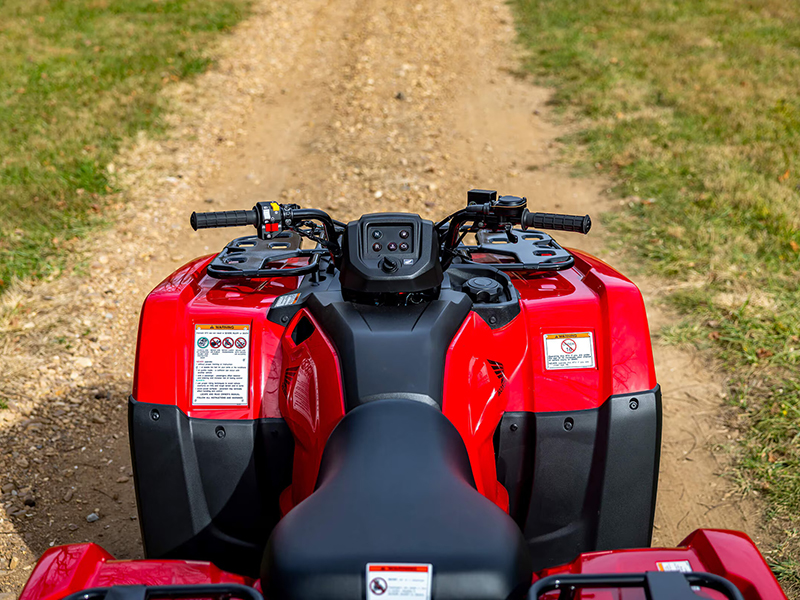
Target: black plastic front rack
{"type": "Point", "coordinates": [656, 584]}
{"type": "Point", "coordinates": [247, 257]}
{"type": "Point", "coordinates": [532, 251]}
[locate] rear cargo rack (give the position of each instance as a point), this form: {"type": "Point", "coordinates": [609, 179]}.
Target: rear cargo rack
{"type": "Point", "coordinates": [220, 591]}
{"type": "Point", "coordinates": [657, 585]}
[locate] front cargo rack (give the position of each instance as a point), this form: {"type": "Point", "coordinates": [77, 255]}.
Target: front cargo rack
{"type": "Point", "coordinates": [526, 251]}
{"type": "Point", "coordinates": [248, 258]}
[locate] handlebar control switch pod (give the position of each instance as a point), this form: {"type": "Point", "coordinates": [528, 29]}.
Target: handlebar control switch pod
{"type": "Point", "coordinates": [271, 217]}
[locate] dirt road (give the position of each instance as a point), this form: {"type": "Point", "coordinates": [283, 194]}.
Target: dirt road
{"type": "Point", "coordinates": [352, 106]}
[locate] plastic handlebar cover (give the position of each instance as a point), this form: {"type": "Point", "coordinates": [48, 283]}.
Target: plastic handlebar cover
{"type": "Point", "coordinates": [557, 222]}
{"type": "Point", "coordinates": [224, 218]}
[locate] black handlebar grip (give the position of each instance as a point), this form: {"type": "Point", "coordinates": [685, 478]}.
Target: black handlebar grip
{"type": "Point", "coordinates": [223, 218]}
{"type": "Point", "coordinates": [556, 222]}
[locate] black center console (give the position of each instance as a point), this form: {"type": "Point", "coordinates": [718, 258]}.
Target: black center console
{"type": "Point", "coordinates": [390, 253]}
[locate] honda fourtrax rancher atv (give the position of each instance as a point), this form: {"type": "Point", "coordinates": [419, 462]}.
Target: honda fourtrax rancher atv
{"type": "Point", "coordinates": [396, 409]}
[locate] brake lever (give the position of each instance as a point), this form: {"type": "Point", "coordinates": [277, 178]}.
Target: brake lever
{"type": "Point", "coordinates": [512, 239]}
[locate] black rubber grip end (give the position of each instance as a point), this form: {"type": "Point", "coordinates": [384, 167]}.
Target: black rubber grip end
{"type": "Point", "coordinates": [224, 218]}
{"type": "Point", "coordinates": [556, 222]}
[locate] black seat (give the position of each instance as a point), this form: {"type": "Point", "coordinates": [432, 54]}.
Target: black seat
{"type": "Point", "coordinates": [395, 485]}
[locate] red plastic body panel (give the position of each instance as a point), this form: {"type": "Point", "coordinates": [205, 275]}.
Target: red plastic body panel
{"type": "Point", "coordinates": [67, 569]}
{"type": "Point", "coordinates": [311, 401]}
{"type": "Point", "coordinates": [729, 554]}
{"type": "Point", "coordinates": [64, 570]}
{"type": "Point", "coordinates": [591, 296]}
{"type": "Point", "coordinates": [477, 391]}
{"type": "Point", "coordinates": [189, 297]}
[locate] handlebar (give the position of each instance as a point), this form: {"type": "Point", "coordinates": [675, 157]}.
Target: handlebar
{"type": "Point", "coordinates": [536, 220]}
{"type": "Point", "coordinates": [485, 211]}
{"type": "Point", "coordinates": [223, 218]}
{"type": "Point", "coordinates": [556, 222]}
{"type": "Point", "coordinates": [270, 219]}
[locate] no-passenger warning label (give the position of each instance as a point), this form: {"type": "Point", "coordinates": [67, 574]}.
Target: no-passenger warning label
{"type": "Point", "coordinates": [221, 365]}
{"type": "Point", "coordinates": [569, 350]}
{"type": "Point", "coordinates": [399, 581]}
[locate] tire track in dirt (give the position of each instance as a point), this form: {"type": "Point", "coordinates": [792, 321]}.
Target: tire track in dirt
{"type": "Point", "coordinates": [354, 106]}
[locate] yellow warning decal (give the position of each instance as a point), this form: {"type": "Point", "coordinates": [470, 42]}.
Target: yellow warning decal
{"type": "Point", "coordinates": [562, 336]}
{"type": "Point", "coordinates": [569, 350]}
{"type": "Point", "coordinates": [220, 327]}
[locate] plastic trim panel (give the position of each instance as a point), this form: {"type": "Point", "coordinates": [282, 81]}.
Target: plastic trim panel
{"type": "Point", "coordinates": [589, 478]}
{"type": "Point", "coordinates": [207, 489]}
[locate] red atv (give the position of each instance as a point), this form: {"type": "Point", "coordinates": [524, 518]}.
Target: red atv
{"type": "Point", "coordinates": [400, 412]}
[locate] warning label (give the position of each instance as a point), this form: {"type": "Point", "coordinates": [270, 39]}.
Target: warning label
{"type": "Point", "coordinates": [286, 300]}
{"type": "Point", "coordinates": [569, 350]}
{"type": "Point", "coordinates": [406, 581]}
{"type": "Point", "coordinates": [221, 365]}
{"type": "Point", "coordinates": [681, 566]}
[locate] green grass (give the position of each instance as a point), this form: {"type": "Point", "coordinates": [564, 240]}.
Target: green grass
{"type": "Point", "coordinates": [691, 107]}
{"type": "Point", "coordinates": [78, 78]}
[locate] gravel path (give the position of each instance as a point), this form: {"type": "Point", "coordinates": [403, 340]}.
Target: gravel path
{"type": "Point", "coordinates": [352, 106]}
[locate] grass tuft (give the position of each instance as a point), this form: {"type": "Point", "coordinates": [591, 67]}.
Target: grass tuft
{"type": "Point", "coordinates": [78, 78]}
{"type": "Point", "coordinates": [691, 108]}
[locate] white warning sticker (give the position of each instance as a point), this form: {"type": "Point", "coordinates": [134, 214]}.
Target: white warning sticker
{"type": "Point", "coordinates": [286, 300]}
{"type": "Point", "coordinates": [399, 580]}
{"type": "Point", "coordinates": [681, 566]}
{"type": "Point", "coordinates": [569, 350]}
{"type": "Point", "coordinates": [221, 365]}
